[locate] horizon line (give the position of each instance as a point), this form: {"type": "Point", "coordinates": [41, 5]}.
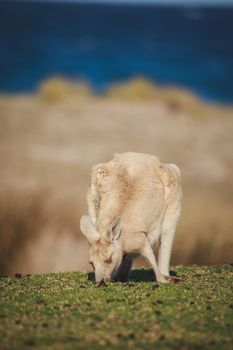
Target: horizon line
{"type": "Point", "coordinates": [138, 2]}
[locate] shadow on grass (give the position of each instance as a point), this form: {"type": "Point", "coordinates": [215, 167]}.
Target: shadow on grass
{"type": "Point", "coordinates": [137, 275]}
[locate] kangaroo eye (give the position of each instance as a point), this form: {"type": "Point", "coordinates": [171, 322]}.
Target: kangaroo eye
{"type": "Point", "coordinates": [91, 263]}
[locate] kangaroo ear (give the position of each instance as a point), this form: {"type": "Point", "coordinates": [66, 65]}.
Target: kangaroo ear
{"type": "Point", "coordinates": [114, 231]}
{"type": "Point", "coordinates": [88, 229]}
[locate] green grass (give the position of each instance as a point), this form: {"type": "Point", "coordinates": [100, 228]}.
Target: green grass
{"type": "Point", "coordinates": [67, 311]}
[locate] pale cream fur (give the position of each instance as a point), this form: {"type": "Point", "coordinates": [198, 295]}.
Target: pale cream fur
{"type": "Point", "coordinates": [134, 201]}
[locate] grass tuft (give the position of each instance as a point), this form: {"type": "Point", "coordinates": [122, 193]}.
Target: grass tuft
{"type": "Point", "coordinates": [22, 219]}
{"type": "Point", "coordinates": [175, 98]}
{"type": "Point", "coordinates": [32, 229]}
{"type": "Point", "coordinates": [57, 89]}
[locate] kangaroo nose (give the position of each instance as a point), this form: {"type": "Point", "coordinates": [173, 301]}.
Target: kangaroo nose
{"type": "Point", "coordinates": [101, 283]}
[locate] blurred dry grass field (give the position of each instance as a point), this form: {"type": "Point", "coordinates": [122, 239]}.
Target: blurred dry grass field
{"type": "Point", "coordinates": [49, 141]}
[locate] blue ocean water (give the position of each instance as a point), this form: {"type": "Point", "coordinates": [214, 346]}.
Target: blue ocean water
{"type": "Point", "coordinates": [186, 46]}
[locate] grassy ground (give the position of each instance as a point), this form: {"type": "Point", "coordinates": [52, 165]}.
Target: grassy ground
{"type": "Point", "coordinates": [67, 311]}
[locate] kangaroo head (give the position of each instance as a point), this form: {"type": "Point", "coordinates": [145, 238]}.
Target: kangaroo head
{"type": "Point", "coordinates": [105, 249]}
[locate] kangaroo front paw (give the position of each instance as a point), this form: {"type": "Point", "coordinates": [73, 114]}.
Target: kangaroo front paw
{"type": "Point", "coordinates": [172, 279]}
{"type": "Point", "coordinates": [162, 279]}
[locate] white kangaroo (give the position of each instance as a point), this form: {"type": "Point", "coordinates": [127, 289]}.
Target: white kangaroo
{"type": "Point", "coordinates": [134, 201]}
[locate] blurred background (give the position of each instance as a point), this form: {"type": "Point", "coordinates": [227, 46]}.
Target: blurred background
{"type": "Point", "coordinates": [80, 80]}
